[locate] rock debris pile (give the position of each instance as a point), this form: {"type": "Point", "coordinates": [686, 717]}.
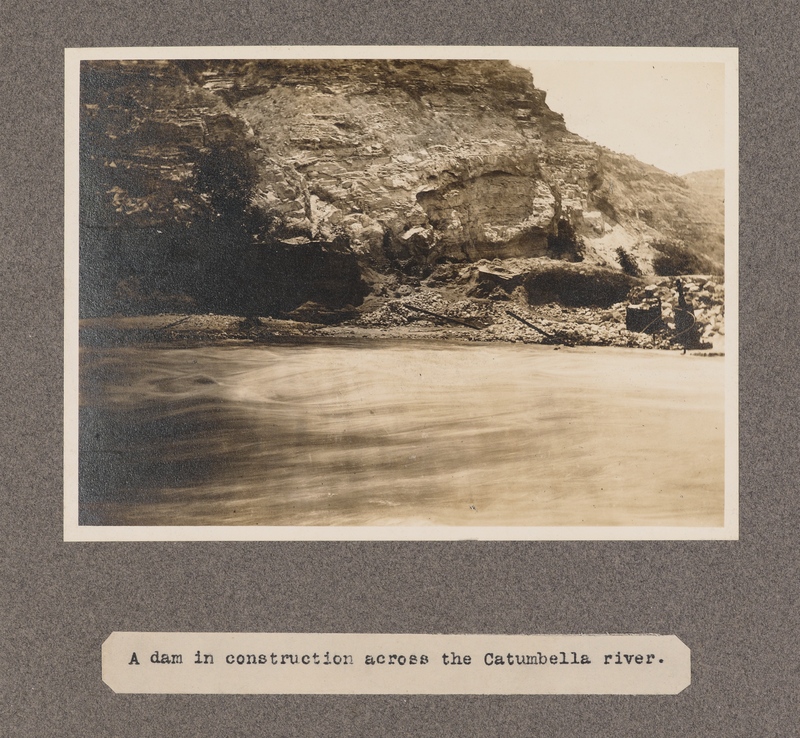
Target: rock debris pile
{"type": "Point", "coordinates": [428, 310]}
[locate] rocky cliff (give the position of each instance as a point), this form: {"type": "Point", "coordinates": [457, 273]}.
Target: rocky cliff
{"type": "Point", "coordinates": [261, 185]}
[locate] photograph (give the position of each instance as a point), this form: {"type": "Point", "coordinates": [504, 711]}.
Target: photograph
{"type": "Point", "coordinates": [401, 293]}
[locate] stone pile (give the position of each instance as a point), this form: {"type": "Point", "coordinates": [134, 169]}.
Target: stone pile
{"type": "Point", "coordinates": [705, 295]}
{"type": "Point", "coordinates": [587, 326]}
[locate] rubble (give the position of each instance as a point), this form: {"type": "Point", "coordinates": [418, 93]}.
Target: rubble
{"type": "Point", "coordinates": [586, 326]}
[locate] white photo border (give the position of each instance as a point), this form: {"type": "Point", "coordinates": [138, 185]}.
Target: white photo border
{"type": "Point", "coordinates": [73, 531]}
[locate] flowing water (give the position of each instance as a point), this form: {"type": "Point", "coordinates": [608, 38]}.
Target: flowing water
{"type": "Point", "coordinates": [400, 433]}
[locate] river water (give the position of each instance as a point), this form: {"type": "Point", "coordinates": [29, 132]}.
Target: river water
{"type": "Point", "coordinates": [400, 433]}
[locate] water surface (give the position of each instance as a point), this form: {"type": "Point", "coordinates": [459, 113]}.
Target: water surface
{"type": "Point", "coordinates": [400, 433]}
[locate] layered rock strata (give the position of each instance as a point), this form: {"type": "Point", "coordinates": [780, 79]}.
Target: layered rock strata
{"type": "Point", "coordinates": [366, 167]}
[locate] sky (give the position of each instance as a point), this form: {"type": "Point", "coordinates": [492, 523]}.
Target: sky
{"type": "Point", "coordinates": [669, 114]}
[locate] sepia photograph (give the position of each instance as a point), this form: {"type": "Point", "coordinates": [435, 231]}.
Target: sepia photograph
{"type": "Point", "coordinates": [425, 293]}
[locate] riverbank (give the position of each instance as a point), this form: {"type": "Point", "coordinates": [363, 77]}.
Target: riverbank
{"type": "Point", "coordinates": [423, 312]}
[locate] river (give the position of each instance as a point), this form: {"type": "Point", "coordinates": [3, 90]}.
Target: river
{"type": "Point", "coordinates": [400, 433]}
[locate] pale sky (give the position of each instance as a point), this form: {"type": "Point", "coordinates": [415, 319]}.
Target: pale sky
{"type": "Point", "coordinates": [670, 114]}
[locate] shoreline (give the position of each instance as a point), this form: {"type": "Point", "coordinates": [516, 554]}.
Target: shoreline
{"type": "Point", "coordinates": [194, 330]}
{"type": "Point", "coordinates": [438, 312]}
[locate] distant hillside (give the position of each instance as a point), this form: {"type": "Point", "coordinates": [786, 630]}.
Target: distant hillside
{"type": "Point", "coordinates": [710, 182]}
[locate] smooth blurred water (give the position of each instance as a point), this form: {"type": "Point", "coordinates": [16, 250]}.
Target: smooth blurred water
{"type": "Point", "coordinates": [391, 433]}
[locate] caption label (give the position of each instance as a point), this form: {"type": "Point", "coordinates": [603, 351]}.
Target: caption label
{"type": "Point", "coordinates": [339, 663]}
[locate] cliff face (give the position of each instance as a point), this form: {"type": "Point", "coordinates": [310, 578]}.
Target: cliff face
{"type": "Point", "coordinates": [422, 160]}
{"type": "Point", "coordinates": [390, 164]}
